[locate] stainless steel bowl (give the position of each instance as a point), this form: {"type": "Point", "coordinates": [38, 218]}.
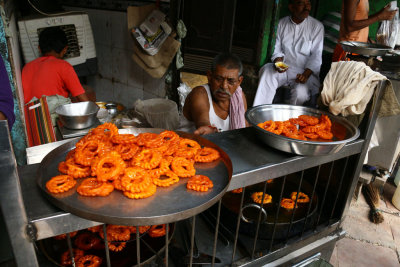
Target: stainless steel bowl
{"type": "Point", "coordinates": [78, 115]}
{"type": "Point", "coordinates": [340, 128]}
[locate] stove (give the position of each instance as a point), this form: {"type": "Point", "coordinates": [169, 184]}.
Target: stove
{"type": "Point", "coordinates": [67, 133]}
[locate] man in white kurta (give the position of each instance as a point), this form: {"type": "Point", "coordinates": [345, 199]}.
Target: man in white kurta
{"type": "Point", "coordinates": [299, 43]}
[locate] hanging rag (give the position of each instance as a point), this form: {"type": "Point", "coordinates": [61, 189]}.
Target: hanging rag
{"type": "Point", "coordinates": [236, 110]}
{"type": "Point", "coordinates": [349, 86]}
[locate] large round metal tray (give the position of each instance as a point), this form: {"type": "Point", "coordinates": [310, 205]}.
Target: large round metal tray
{"type": "Point", "coordinates": [342, 129]}
{"type": "Point", "coordinates": [169, 204]}
{"type": "Point", "coordinates": [366, 49]}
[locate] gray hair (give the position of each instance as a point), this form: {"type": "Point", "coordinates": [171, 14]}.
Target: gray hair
{"type": "Point", "coordinates": [229, 61]}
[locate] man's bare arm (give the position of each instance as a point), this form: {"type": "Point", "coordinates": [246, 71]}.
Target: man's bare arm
{"type": "Point", "coordinates": [82, 97]}
{"type": "Point", "coordinates": [350, 7]}
{"type": "Point", "coordinates": [196, 109]}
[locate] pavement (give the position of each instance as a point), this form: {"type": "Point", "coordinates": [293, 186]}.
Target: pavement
{"type": "Point", "coordinates": [366, 243]}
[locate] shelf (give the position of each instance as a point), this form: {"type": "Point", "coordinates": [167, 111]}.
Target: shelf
{"type": "Point", "coordinates": [252, 161]}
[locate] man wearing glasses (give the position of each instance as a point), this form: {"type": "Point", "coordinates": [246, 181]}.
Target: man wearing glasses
{"type": "Point", "coordinates": [299, 43]}
{"type": "Point", "coordinates": [219, 105]}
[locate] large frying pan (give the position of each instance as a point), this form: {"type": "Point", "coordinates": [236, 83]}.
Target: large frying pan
{"type": "Point", "coordinates": [250, 210]}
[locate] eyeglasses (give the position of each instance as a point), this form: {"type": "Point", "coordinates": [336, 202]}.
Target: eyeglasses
{"type": "Point", "coordinates": [220, 79]}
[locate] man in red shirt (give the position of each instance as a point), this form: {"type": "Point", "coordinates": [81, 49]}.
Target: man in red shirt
{"type": "Point", "coordinates": [50, 74]}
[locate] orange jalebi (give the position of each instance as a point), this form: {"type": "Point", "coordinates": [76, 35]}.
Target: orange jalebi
{"type": "Point", "coordinates": [85, 153]}
{"type": "Point", "coordinates": [309, 120]}
{"type": "Point", "coordinates": [267, 125]}
{"type": "Point", "coordinates": [117, 184]}
{"type": "Point", "coordinates": [199, 183]}
{"type": "Point", "coordinates": [183, 167]}
{"type": "Point", "coordinates": [66, 259]}
{"type": "Point", "coordinates": [118, 233]}
{"type": "Point", "coordinates": [162, 168]}
{"type": "Point", "coordinates": [164, 182]}
{"type": "Point", "coordinates": [123, 139]}
{"type": "Point", "coordinates": [92, 187]}
{"type": "Point", "coordinates": [127, 151]}
{"type": "Point", "coordinates": [157, 230]}
{"type": "Point", "coordinates": [206, 154]}
{"type": "Point", "coordinates": [62, 167]}
{"type": "Point", "coordinates": [109, 167]}
{"type": "Point", "coordinates": [142, 138]}
{"type": "Point", "coordinates": [154, 142]}
{"type": "Point", "coordinates": [116, 246]}
{"type": "Point", "coordinates": [237, 191]}
{"type": "Point", "coordinates": [257, 198]}
{"type": "Point", "coordinates": [133, 165]}
{"type": "Point", "coordinates": [70, 154]}
{"type": "Point", "coordinates": [325, 134]}
{"type": "Point", "coordinates": [187, 148]}
{"type": "Point", "coordinates": [89, 261]}
{"type": "Point", "coordinates": [86, 241]}
{"type": "Point", "coordinates": [147, 159]}
{"type": "Point", "coordinates": [303, 198]}
{"type": "Point", "coordinates": [169, 136]}
{"type": "Point", "coordinates": [151, 190]}
{"type": "Point", "coordinates": [76, 170]}
{"type": "Point", "coordinates": [287, 203]}
{"type": "Point", "coordinates": [135, 180]}
{"type": "Point", "coordinates": [107, 128]}
{"type": "Point", "coordinates": [60, 184]}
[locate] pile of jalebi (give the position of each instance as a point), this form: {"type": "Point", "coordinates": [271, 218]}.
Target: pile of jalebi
{"type": "Point", "coordinates": [135, 165]}
{"type": "Point", "coordinates": [91, 239]}
{"type": "Point", "coordinates": [304, 127]}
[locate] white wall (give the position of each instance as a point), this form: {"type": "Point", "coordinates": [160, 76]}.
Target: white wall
{"type": "Point", "coordinates": [119, 78]}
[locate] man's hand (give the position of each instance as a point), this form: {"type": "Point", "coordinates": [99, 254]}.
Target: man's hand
{"type": "Point", "coordinates": [206, 130]}
{"type": "Point", "coordinates": [386, 14]}
{"type": "Point", "coordinates": [2, 116]}
{"type": "Point", "coordinates": [279, 59]}
{"type": "Point", "coordinates": [303, 77]}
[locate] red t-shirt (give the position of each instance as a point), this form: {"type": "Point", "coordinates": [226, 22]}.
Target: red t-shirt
{"type": "Point", "coordinates": [48, 76]}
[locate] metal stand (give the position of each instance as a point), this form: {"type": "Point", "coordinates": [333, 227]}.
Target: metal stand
{"type": "Point", "coordinates": [29, 216]}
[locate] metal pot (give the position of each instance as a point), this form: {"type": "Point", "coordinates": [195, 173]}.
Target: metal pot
{"type": "Point", "coordinates": [342, 129]}
{"type": "Point", "coordinates": [250, 210]}
{"type": "Point", "coordinates": [78, 115]}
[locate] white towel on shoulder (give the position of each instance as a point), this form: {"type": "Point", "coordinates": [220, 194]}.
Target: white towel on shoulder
{"type": "Point", "coordinates": [349, 86]}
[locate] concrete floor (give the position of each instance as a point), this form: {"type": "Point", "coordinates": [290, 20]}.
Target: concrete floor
{"type": "Point", "coordinates": [366, 243]}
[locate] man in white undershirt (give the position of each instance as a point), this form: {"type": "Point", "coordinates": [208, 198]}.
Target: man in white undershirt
{"type": "Point", "coordinates": [220, 104]}
{"type": "Point", "coordinates": [299, 43]}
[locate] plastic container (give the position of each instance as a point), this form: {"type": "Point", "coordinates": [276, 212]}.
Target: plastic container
{"type": "Point", "coordinates": [159, 112]}
{"type": "Point", "coordinates": [396, 198]}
